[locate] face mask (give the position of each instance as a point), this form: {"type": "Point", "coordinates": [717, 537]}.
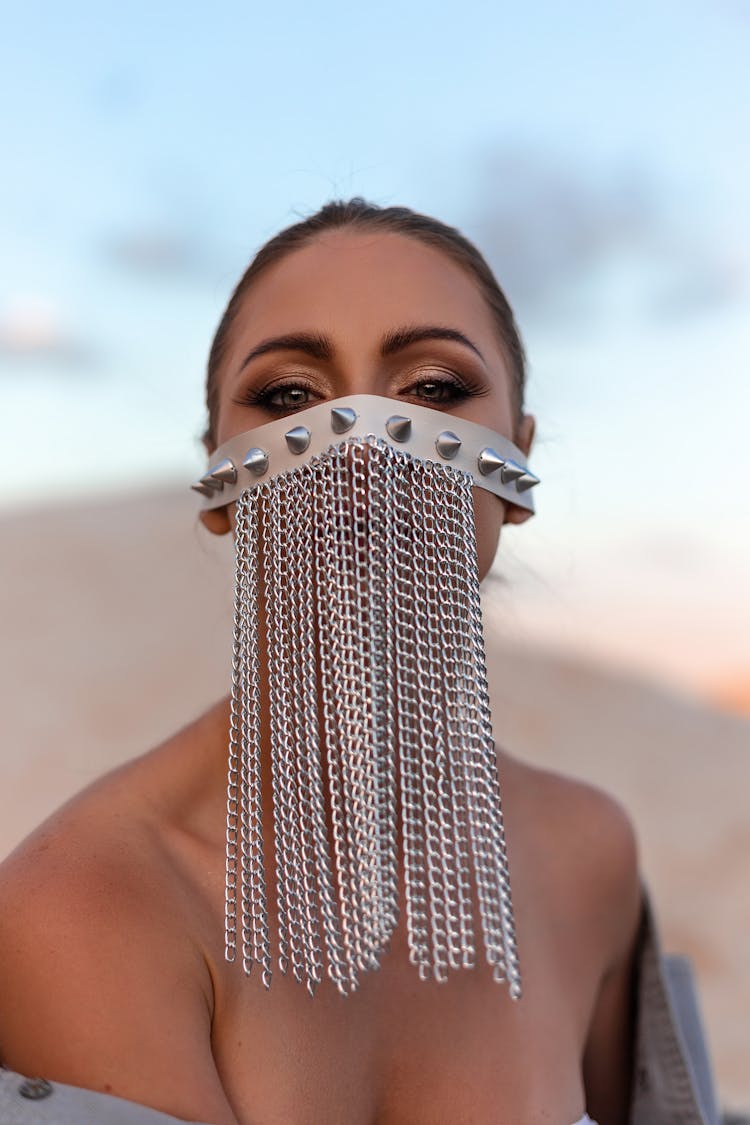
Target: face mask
{"type": "Point", "coordinates": [358, 640]}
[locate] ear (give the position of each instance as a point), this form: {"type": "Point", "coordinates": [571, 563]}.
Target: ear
{"type": "Point", "coordinates": [216, 520]}
{"type": "Point", "coordinates": [524, 439]}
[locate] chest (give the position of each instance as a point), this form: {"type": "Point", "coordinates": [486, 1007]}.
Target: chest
{"type": "Point", "coordinates": [399, 1051]}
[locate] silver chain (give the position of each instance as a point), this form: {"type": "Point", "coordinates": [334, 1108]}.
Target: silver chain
{"type": "Point", "coordinates": [407, 702]}
{"type": "Point", "coordinates": [305, 738]}
{"type": "Point", "coordinates": [326, 536]}
{"type": "Point", "coordinates": [378, 714]}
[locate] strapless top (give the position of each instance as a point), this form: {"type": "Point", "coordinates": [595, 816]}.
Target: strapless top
{"type": "Point", "coordinates": [33, 1101]}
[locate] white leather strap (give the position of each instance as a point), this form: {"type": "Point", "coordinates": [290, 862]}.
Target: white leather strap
{"type": "Point", "coordinates": [505, 473]}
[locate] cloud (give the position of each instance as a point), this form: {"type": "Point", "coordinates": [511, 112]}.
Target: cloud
{"type": "Point", "coordinates": [32, 329]}
{"type": "Point", "coordinates": [543, 222]}
{"type": "Point", "coordinates": [117, 90]}
{"type": "Point", "coordinates": [548, 227]}
{"type": "Point", "coordinates": [694, 282]}
{"type": "Point", "coordinates": [155, 252]}
{"type": "Point", "coordinates": [187, 228]}
{"type": "Point", "coordinates": [178, 251]}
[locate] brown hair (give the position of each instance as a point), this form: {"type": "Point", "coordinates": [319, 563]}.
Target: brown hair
{"type": "Point", "coordinates": [358, 214]}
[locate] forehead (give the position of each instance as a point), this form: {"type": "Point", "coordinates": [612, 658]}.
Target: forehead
{"type": "Point", "coordinates": [357, 285]}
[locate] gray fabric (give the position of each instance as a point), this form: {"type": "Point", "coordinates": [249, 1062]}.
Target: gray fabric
{"type": "Point", "coordinates": [672, 1080]}
{"type": "Point", "coordinates": [69, 1105]}
{"type": "Point", "coordinates": [682, 991]}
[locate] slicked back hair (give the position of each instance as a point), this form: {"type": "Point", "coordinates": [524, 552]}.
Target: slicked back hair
{"type": "Point", "coordinates": [359, 215]}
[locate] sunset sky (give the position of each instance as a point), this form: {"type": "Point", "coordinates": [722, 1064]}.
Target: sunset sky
{"type": "Point", "coordinates": [598, 154]}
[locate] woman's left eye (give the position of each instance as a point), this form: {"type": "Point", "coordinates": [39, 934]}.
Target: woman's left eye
{"type": "Point", "coordinates": [438, 390]}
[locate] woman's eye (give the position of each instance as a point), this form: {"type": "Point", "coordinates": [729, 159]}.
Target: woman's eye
{"type": "Point", "coordinates": [282, 397]}
{"type": "Point", "coordinates": [286, 398]}
{"type": "Point", "coordinates": [295, 396]}
{"type": "Point", "coordinates": [439, 390]}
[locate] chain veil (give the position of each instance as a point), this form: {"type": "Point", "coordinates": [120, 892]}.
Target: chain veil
{"type": "Point", "coordinates": [357, 604]}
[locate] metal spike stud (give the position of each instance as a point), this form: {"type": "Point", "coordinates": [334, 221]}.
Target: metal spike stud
{"type": "Point", "coordinates": [298, 439]}
{"type": "Point", "coordinates": [528, 480]}
{"type": "Point", "coordinates": [204, 490]}
{"type": "Point", "coordinates": [211, 482]}
{"type": "Point", "coordinates": [342, 418]}
{"type": "Point", "coordinates": [448, 444]}
{"type": "Point", "coordinates": [256, 460]}
{"type": "Point", "coordinates": [511, 471]}
{"type": "Point", "coordinates": [488, 461]}
{"type": "Point", "coordinates": [225, 471]}
{"type": "Point", "coordinates": [398, 427]}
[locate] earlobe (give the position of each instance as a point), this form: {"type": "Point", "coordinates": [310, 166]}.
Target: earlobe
{"type": "Point", "coordinates": [216, 520]}
{"type": "Point", "coordinates": [514, 514]}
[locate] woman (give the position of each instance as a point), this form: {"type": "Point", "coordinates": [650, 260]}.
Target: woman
{"type": "Point", "coordinates": [113, 973]}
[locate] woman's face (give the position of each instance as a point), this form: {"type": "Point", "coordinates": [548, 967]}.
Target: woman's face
{"type": "Point", "coordinates": [334, 319]}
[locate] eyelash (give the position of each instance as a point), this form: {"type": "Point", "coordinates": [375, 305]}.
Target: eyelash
{"type": "Point", "coordinates": [263, 398]}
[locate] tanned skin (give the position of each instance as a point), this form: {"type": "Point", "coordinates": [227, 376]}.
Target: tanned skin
{"type": "Point", "coordinates": [112, 970]}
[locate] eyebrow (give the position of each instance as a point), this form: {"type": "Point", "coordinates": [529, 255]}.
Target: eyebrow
{"type": "Point", "coordinates": [402, 338]}
{"type": "Point", "coordinates": [320, 347]}
{"type": "Point", "coordinates": [311, 343]}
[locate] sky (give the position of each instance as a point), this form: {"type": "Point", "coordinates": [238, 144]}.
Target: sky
{"type": "Point", "coordinates": [597, 154]}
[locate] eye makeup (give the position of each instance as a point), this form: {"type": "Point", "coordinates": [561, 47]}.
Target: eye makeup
{"type": "Point", "coordinates": [439, 388]}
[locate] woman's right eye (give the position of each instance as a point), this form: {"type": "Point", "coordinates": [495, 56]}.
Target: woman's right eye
{"type": "Point", "coordinates": [287, 396]}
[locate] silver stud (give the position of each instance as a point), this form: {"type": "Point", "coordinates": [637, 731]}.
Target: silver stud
{"type": "Point", "coordinates": [210, 482]}
{"type": "Point", "coordinates": [35, 1088]}
{"type": "Point", "coordinates": [202, 488]}
{"type": "Point", "coordinates": [488, 461]}
{"type": "Point", "coordinates": [399, 427]}
{"type": "Point", "coordinates": [448, 444]}
{"type": "Point", "coordinates": [511, 471]}
{"type": "Point", "coordinates": [256, 460]}
{"type": "Point", "coordinates": [528, 480]}
{"type": "Point", "coordinates": [298, 439]}
{"type": "Point", "coordinates": [342, 418]}
{"type": "Point", "coordinates": [225, 471]}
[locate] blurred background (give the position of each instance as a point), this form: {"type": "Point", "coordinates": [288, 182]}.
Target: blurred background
{"type": "Point", "coordinates": [599, 156]}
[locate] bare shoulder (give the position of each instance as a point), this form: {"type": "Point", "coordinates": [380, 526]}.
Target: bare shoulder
{"type": "Point", "coordinates": [583, 841]}
{"type": "Point", "coordinates": [112, 831]}
{"type": "Point", "coordinates": [94, 961]}
{"type": "Point", "coordinates": [578, 814]}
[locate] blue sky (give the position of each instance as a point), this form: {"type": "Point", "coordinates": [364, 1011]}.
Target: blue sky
{"type": "Point", "coordinates": [597, 153]}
